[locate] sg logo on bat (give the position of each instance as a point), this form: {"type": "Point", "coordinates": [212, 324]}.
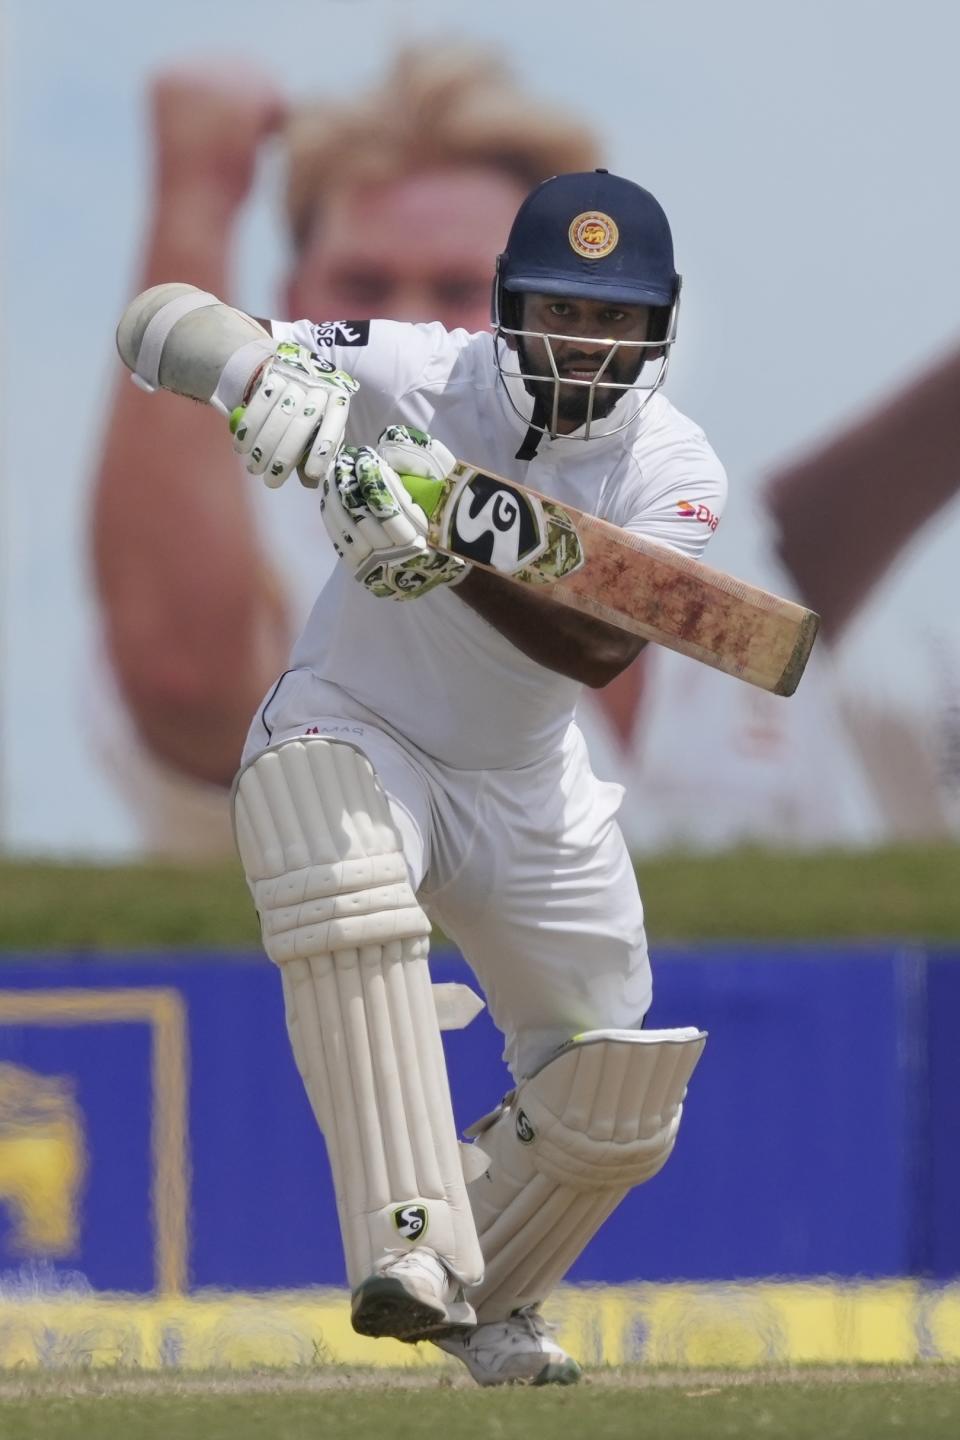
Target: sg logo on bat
{"type": "Point", "coordinates": [487, 520]}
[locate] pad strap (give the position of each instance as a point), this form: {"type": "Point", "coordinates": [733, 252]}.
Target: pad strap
{"type": "Point", "coordinates": [178, 338]}
{"type": "Point", "coordinates": [146, 373]}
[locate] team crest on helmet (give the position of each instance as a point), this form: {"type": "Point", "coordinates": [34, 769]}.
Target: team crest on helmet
{"type": "Point", "coordinates": [593, 234]}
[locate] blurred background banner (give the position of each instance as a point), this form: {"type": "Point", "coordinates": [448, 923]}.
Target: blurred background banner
{"type": "Point", "coordinates": [155, 1137]}
{"type": "Point", "coordinates": [348, 159]}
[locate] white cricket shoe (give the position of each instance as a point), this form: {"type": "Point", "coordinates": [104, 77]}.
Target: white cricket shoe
{"type": "Point", "coordinates": [409, 1298]}
{"type": "Point", "coordinates": [514, 1351]}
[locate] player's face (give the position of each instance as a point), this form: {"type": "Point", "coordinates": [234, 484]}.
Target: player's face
{"type": "Point", "coordinates": [421, 247]}
{"type": "Point", "coordinates": [592, 326]}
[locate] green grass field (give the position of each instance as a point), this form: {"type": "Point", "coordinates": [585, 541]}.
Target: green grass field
{"type": "Point", "coordinates": [903, 892]}
{"type": "Point", "coordinates": [661, 1405]}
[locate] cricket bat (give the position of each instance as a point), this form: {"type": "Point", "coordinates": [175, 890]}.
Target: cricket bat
{"type": "Point", "coordinates": [635, 583]}
{"type": "Point", "coordinates": [177, 338]}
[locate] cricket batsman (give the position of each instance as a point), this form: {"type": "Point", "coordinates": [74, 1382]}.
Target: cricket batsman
{"type": "Point", "coordinates": [419, 762]}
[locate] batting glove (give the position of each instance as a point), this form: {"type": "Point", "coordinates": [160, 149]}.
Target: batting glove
{"type": "Point", "coordinates": [294, 418]}
{"type": "Point", "coordinates": [379, 530]}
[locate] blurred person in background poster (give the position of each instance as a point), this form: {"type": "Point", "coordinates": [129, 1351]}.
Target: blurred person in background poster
{"type": "Point", "coordinates": [845, 512]}
{"type": "Point", "coordinates": [397, 207]}
{"type": "Point", "coordinates": [838, 518]}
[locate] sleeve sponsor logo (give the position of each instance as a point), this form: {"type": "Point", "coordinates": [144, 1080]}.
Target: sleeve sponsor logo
{"type": "Point", "coordinates": [341, 332]}
{"type": "Point", "coordinates": [687, 510]}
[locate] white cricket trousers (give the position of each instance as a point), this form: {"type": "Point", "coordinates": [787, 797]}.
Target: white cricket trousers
{"type": "Point", "coordinates": [524, 869]}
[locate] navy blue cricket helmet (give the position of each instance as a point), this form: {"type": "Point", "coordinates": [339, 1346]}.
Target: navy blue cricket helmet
{"type": "Point", "coordinates": [593, 235]}
{"type": "Point", "coordinates": [588, 236]}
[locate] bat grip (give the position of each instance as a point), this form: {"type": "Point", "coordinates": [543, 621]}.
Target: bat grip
{"type": "Point", "coordinates": [425, 492]}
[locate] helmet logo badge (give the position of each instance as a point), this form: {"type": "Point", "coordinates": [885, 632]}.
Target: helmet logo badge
{"type": "Point", "coordinates": [593, 234]}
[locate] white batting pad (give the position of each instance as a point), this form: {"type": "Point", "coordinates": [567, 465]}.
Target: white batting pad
{"type": "Point", "coordinates": [600, 1117]}
{"type": "Point", "coordinates": [179, 338]}
{"type": "Point", "coordinates": [339, 917]}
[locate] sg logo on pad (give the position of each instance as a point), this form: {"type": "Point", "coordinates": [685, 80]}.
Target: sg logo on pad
{"type": "Point", "coordinates": [525, 1131]}
{"type": "Point", "coordinates": [411, 1221]}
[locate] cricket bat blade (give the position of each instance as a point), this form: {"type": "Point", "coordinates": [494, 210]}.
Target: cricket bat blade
{"type": "Point", "coordinates": [635, 583]}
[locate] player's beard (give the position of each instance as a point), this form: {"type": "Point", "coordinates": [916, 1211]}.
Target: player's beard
{"type": "Point", "coordinates": [573, 405]}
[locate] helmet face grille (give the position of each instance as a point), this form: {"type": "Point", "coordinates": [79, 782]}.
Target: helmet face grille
{"type": "Point", "coordinates": [595, 237]}
{"type": "Point", "coordinates": [602, 395]}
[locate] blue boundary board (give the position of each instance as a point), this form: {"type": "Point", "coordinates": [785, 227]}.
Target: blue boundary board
{"type": "Point", "coordinates": [818, 1139]}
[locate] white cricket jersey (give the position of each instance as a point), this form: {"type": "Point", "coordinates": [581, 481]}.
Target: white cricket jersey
{"type": "Point", "coordinates": [433, 668]}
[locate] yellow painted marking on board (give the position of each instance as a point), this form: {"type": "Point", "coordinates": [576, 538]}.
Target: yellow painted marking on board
{"type": "Point", "coordinates": [735, 1325]}
{"type": "Point", "coordinates": [163, 1009]}
{"type": "Point", "coordinates": [43, 1160]}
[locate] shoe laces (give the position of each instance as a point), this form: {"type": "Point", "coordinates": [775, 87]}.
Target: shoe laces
{"type": "Point", "coordinates": [533, 1321]}
{"type": "Point", "coordinates": [415, 1259]}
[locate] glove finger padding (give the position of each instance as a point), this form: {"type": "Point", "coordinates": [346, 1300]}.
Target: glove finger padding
{"type": "Point", "coordinates": [287, 445]}
{"type": "Point", "coordinates": [424, 464]}
{"type": "Point", "coordinates": [295, 416]}
{"type": "Point", "coordinates": [348, 541]}
{"type": "Point", "coordinates": [410, 451]}
{"type": "Point", "coordinates": [384, 499]}
{"type": "Point", "coordinates": [379, 531]}
{"type": "Point", "coordinates": [274, 430]}
{"type": "Point", "coordinates": [357, 533]}
{"type": "Point", "coordinates": [329, 436]}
